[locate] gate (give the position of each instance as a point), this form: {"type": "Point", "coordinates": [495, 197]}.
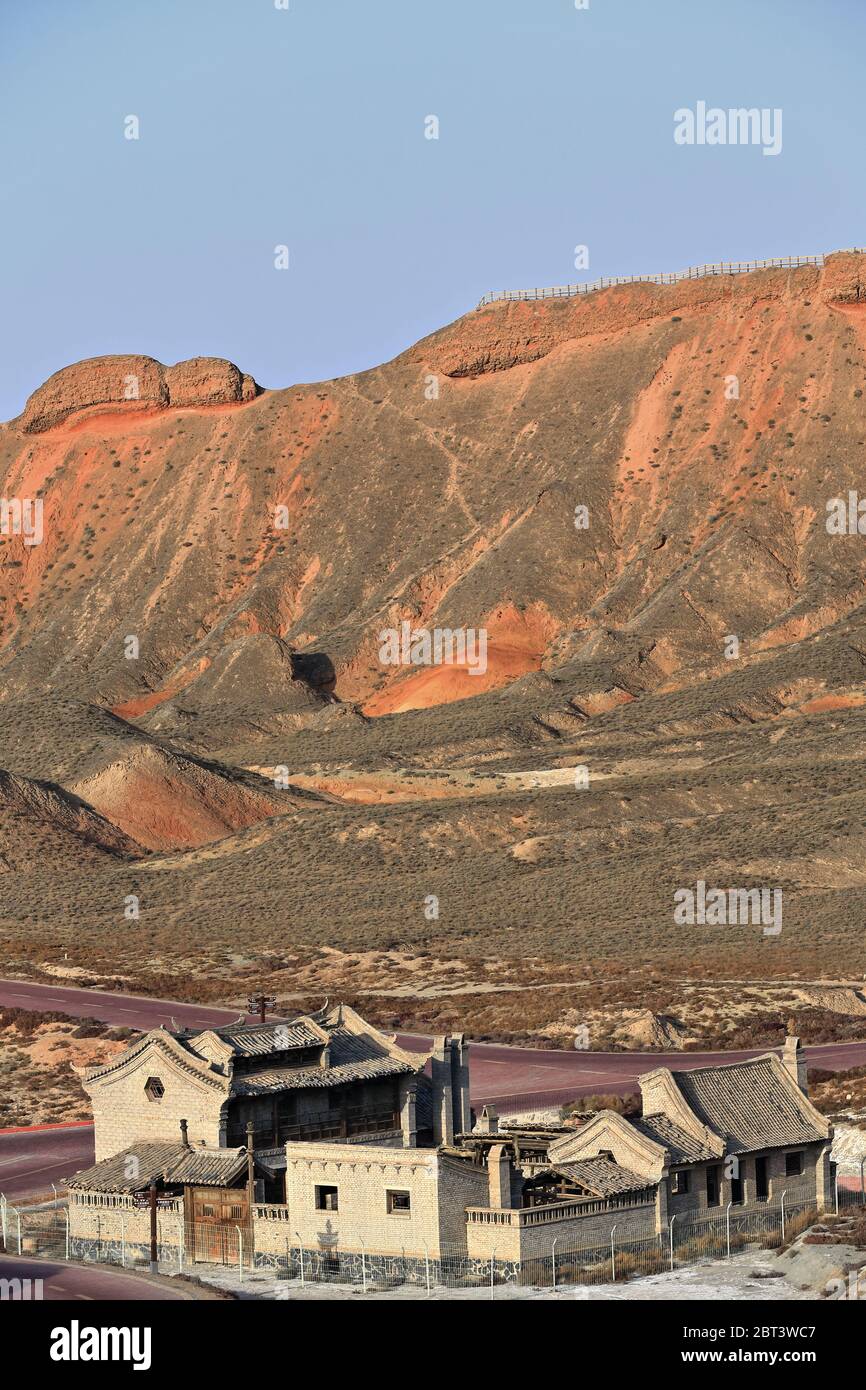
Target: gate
{"type": "Point", "coordinates": [212, 1217]}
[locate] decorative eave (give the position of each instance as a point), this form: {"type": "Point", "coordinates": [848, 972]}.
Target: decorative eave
{"type": "Point", "coordinates": [342, 1015]}
{"type": "Point", "coordinates": [171, 1051]}
{"type": "Point", "coordinates": [223, 1053]}
{"type": "Point", "coordinates": [607, 1125]}
{"type": "Point", "coordinates": [675, 1106]}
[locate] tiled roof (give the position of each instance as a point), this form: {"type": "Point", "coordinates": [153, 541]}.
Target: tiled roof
{"type": "Point", "coordinates": [749, 1105]}
{"type": "Point", "coordinates": [256, 1040]}
{"type": "Point", "coordinates": [299, 1078]}
{"type": "Point", "coordinates": [348, 1047]}
{"type": "Point", "coordinates": [352, 1056]}
{"type": "Point", "coordinates": [244, 1059]}
{"type": "Point", "coordinates": [684, 1148]}
{"type": "Point", "coordinates": [136, 1167]}
{"type": "Point", "coordinates": [603, 1177]}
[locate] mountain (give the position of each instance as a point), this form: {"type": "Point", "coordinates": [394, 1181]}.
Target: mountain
{"type": "Point", "coordinates": [626, 491]}
{"type": "Point", "coordinates": [39, 821]}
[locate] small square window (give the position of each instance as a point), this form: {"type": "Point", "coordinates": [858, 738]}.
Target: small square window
{"type": "Point", "coordinates": [327, 1199]}
{"type": "Point", "coordinates": [153, 1088]}
{"type": "Point", "coordinates": [398, 1203]}
{"type": "Point", "coordinates": [681, 1181]}
{"type": "Point", "coordinates": [793, 1165]}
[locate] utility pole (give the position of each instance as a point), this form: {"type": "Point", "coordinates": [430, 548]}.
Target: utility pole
{"type": "Point", "coordinates": [154, 1254]}
{"type": "Point", "coordinates": [251, 1176]}
{"type": "Point", "coordinates": [250, 1196]}
{"type": "Point", "coordinates": [260, 1003]}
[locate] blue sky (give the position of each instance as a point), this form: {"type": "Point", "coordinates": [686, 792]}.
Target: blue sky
{"type": "Point", "coordinates": [305, 127]}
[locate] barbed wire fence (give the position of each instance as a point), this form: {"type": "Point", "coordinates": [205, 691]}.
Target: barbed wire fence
{"type": "Point", "coordinates": [693, 272]}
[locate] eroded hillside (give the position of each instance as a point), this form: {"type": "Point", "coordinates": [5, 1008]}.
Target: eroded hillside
{"type": "Point", "coordinates": [627, 492]}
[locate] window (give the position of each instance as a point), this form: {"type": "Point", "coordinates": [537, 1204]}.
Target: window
{"type": "Point", "coordinates": [713, 1186]}
{"type": "Point", "coordinates": [327, 1199]}
{"type": "Point", "coordinates": [153, 1088]}
{"type": "Point", "coordinates": [398, 1203]}
{"type": "Point", "coordinates": [793, 1165]}
{"type": "Point", "coordinates": [737, 1191]}
{"type": "Point", "coordinates": [680, 1181]}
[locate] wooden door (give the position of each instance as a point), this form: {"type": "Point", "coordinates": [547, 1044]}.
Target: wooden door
{"type": "Point", "coordinates": [213, 1215]}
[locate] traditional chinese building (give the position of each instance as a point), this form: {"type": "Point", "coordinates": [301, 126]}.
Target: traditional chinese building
{"type": "Point", "coordinates": [361, 1149]}
{"type": "Point", "coordinates": [321, 1077]}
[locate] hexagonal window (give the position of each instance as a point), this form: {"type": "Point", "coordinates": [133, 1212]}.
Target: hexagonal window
{"type": "Point", "coordinates": [153, 1088]}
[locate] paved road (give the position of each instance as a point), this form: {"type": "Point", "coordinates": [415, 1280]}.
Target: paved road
{"type": "Point", "coordinates": [504, 1074]}
{"type": "Point", "coordinates": [123, 1010]}
{"type": "Point", "coordinates": [32, 1159]}
{"type": "Point", "coordinates": [67, 1282]}
{"type": "Point", "coordinates": [499, 1073]}
{"type": "Point", "coordinates": [510, 1076]}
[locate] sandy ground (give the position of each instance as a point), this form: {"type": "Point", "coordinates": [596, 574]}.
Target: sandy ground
{"type": "Point", "coordinates": [748, 1277]}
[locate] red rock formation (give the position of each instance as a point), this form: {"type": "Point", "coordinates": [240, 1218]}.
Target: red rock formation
{"type": "Point", "coordinates": [707, 512]}
{"type": "Point", "coordinates": [510, 332]}
{"type": "Point", "coordinates": [133, 383]}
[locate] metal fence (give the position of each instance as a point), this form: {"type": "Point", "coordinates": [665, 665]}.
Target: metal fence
{"type": "Point", "coordinates": [693, 272]}
{"type": "Point", "coordinates": [622, 1255]}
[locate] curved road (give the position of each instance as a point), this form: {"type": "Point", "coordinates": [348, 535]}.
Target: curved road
{"type": "Point", "coordinates": [499, 1072]}
{"type": "Point", "coordinates": [102, 1283]}
{"type": "Point", "coordinates": [512, 1077]}
{"type": "Point", "coordinates": [32, 1159]}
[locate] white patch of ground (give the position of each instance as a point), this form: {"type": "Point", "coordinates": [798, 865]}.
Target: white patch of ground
{"type": "Point", "coordinates": [747, 1277]}
{"type": "Point", "coordinates": [849, 1145]}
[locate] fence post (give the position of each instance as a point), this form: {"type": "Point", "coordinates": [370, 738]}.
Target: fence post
{"type": "Point", "coordinates": [862, 1186]}
{"type": "Point", "coordinates": [783, 1215]}
{"type": "Point", "coordinates": [728, 1226]}
{"type": "Point", "coordinates": [300, 1255]}
{"type": "Point", "coordinates": [240, 1253]}
{"type": "Point", "coordinates": [154, 1241]}
{"type": "Point", "coordinates": [122, 1241]}
{"type": "Point", "coordinates": [66, 1214]}
{"type": "Point", "coordinates": [492, 1268]}
{"type": "Point", "coordinates": [613, 1253]}
{"type": "Point", "coordinates": [673, 1219]}
{"type": "Point", "coordinates": [363, 1264]}
{"type": "Point", "coordinates": [18, 1218]}
{"type": "Point", "coordinates": [553, 1260]}
{"type": "Point", "coordinates": [427, 1268]}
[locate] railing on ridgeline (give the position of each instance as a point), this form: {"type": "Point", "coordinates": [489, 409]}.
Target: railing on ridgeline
{"type": "Point", "coordinates": [694, 272]}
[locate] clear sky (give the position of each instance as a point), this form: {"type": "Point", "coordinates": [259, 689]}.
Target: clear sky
{"type": "Point", "coordinates": [305, 127]}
